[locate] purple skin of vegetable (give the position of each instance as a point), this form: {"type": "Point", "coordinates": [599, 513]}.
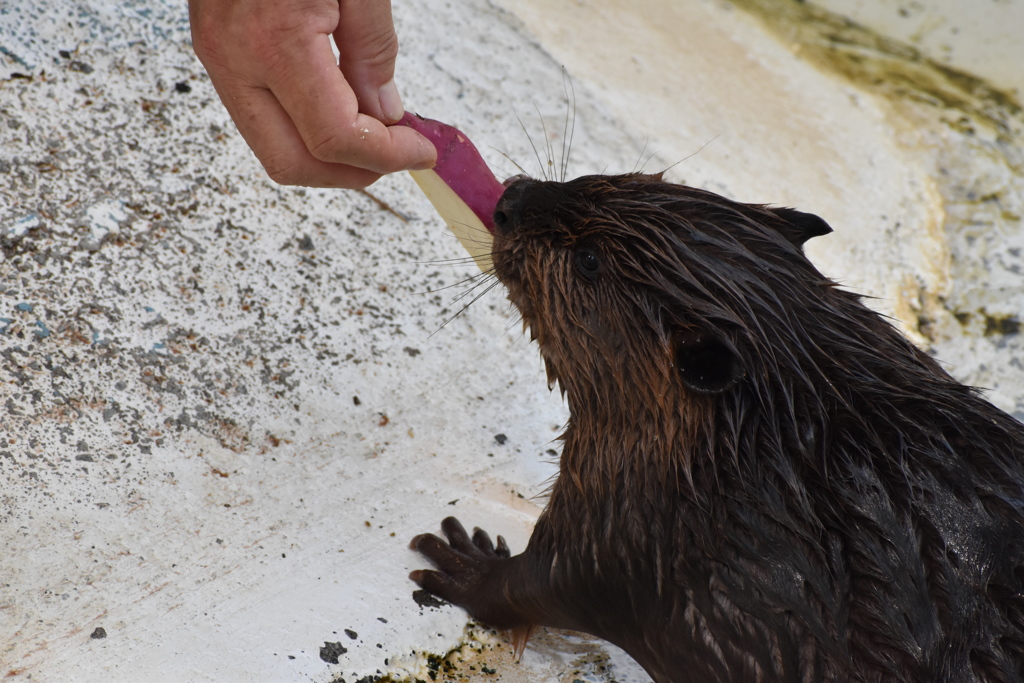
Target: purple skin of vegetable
{"type": "Point", "coordinates": [460, 166]}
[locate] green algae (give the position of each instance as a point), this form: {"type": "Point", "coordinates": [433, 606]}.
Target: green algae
{"type": "Point", "coordinates": [874, 62]}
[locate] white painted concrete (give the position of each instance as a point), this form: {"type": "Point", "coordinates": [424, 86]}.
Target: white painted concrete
{"type": "Point", "coordinates": [183, 462]}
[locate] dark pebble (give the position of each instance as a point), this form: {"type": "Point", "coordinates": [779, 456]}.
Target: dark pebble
{"type": "Point", "coordinates": [331, 651]}
{"type": "Point", "coordinates": [425, 599]}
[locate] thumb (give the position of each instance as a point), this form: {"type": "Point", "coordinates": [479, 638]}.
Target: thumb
{"type": "Point", "coordinates": [368, 46]}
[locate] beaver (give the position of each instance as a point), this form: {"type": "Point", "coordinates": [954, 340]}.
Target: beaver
{"type": "Point", "coordinates": [761, 479]}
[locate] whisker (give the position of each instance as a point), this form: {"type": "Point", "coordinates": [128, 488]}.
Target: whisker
{"type": "Point", "coordinates": [666, 170]}
{"type": "Point", "coordinates": [567, 147]}
{"type": "Point", "coordinates": [547, 143]}
{"type": "Point", "coordinates": [469, 291]}
{"type": "Point", "coordinates": [493, 284]}
{"type": "Point", "coordinates": [478, 278]}
{"type": "Point", "coordinates": [647, 139]}
{"type": "Point", "coordinates": [521, 169]}
{"type": "Point", "coordinates": [651, 156]}
{"type": "Point", "coordinates": [470, 227]}
{"type": "Point", "coordinates": [472, 231]}
{"type": "Point", "coordinates": [460, 283]}
{"type": "Point", "coordinates": [445, 262]}
{"type": "Point", "coordinates": [536, 154]}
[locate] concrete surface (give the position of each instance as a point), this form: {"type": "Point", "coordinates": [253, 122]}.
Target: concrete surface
{"type": "Point", "coordinates": [981, 38]}
{"type": "Point", "coordinates": [228, 405]}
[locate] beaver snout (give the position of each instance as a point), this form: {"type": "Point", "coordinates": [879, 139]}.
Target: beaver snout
{"type": "Point", "coordinates": [508, 212]}
{"type": "Point", "coordinates": [527, 202]}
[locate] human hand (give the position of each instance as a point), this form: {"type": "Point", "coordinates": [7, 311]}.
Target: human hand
{"type": "Point", "coordinates": [310, 120]}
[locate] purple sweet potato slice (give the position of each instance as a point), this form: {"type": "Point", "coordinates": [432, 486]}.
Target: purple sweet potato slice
{"type": "Point", "coordinates": [461, 187]}
{"type": "Point", "coordinates": [460, 166]}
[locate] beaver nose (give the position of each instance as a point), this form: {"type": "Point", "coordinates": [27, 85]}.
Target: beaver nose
{"type": "Point", "coordinates": [508, 212]}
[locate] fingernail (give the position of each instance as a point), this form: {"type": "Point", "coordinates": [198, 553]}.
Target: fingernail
{"type": "Point", "coordinates": [430, 152]}
{"type": "Point", "coordinates": [423, 165]}
{"type": "Point", "coordinates": [390, 102]}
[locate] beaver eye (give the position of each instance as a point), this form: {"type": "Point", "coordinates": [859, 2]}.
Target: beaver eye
{"type": "Point", "coordinates": [588, 263]}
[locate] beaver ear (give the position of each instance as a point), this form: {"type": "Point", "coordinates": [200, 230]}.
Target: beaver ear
{"type": "Point", "coordinates": [798, 227]}
{"type": "Point", "coordinates": [706, 364]}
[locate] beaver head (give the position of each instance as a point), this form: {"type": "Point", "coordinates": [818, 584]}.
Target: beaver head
{"type": "Point", "coordinates": [617, 273]}
{"type": "Point", "coordinates": [641, 291]}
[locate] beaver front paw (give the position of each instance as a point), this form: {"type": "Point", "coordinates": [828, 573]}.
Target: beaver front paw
{"type": "Point", "coordinates": [470, 573]}
{"type": "Point", "coordinates": [468, 569]}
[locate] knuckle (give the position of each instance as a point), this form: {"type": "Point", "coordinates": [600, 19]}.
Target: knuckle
{"type": "Point", "coordinates": [283, 177]}
{"type": "Point", "coordinates": [205, 40]}
{"type": "Point", "coordinates": [283, 171]}
{"type": "Point", "coordinates": [330, 145]}
{"type": "Point", "coordinates": [382, 48]}
{"type": "Point", "coordinates": [374, 48]}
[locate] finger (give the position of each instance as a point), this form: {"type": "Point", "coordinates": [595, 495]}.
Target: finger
{"type": "Point", "coordinates": [272, 135]}
{"type": "Point", "coordinates": [427, 544]}
{"type": "Point", "coordinates": [434, 582]}
{"type": "Point", "coordinates": [439, 553]}
{"type": "Point", "coordinates": [312, 90]}
{"type": "Point", "coordinates": [415, 542]}
{"type": "Point", "coordinates": [457, 535]}
{"type": "Point", "coordinates": [502, 549]}
{"type": "Point", "coordinates": [368, 47]}
{"type": "Point", "coordinates": [482, 541]}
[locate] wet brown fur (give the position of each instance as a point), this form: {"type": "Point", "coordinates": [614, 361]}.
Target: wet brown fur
{"type": "Point", "coordinates": [761, 479]}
